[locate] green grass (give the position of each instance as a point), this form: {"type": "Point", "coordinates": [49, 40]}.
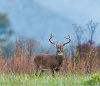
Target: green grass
{"type": "Point", "coordinates": [45, 80]}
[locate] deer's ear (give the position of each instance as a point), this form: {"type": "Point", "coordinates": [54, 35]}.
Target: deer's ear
{"type": "Point", "coordinates": [55, 45]}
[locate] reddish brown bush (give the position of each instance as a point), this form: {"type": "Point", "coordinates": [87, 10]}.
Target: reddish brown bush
{"type": "Point", "coordinates": [22, 60]}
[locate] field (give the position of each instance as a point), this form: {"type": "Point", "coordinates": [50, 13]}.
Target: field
{"type": "Point", "coordinates": [81, 68]}
{"type": "Point", "coordinates": [49, 80]}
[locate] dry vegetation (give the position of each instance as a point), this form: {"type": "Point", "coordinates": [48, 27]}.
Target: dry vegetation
{"type": "Point", "coordinates": [82, 58]}
{"type": "Point", "coordinates": [86, 61]}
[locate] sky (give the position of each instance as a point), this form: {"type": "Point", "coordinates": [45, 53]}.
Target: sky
{"type": "Point", "coordinates": [74, 9]}
{"type": "Point", "coordinates": [40, 18]}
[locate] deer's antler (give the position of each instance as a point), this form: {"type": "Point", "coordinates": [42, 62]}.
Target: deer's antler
{"type": "Point", "coordinates": [66, 42]}
{"type": "Point", "coordinates": [51, 38]}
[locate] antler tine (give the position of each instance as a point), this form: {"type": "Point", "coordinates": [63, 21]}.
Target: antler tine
{"type": "Point", "coordinates": [51, 38]}
{"type": "Point", "coordinates": [67, 38]}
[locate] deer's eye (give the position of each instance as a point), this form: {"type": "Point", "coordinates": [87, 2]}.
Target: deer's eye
{"type": "Point", "coordinates": [59, 47]}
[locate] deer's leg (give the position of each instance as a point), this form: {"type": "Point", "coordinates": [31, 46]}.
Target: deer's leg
{"type": "Point", "coordinates": [41, 72]}
{"type": "Point", "coordinates": [57, 70]}
{"type": "Point", "coordinates": [37, 69]}
{"type": "Point", "coordinates": [52, 71]}
{"type": "Point", "coordinates": [36, 72]}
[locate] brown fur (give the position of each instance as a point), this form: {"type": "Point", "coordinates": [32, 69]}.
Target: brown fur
{"type": "Point", "coordinates": [48, 61]}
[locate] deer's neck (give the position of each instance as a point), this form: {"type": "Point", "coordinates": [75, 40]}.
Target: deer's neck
{"type": "Point", "coordinates": [60, 57]}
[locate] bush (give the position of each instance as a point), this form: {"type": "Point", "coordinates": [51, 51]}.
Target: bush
{"type": "Point", "coordinates": [94, 80]}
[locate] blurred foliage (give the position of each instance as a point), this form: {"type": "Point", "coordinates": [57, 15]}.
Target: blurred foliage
{"type": "Point", "coordinates": [5, 30]}
{"type": "Point", "coordinates": [5, 33]}
{"type": "Point", "coordinates": [93, 80]}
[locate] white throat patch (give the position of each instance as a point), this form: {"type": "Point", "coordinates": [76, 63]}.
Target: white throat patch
{"type": "Point", "coordinates": [60, 53]}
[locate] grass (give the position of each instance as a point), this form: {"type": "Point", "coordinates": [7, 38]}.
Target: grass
{"type": "Point", "coordinates": [45, 80]}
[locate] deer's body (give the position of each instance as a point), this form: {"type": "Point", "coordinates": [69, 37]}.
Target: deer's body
{"type": "Point", "coordinates": [50, 61]}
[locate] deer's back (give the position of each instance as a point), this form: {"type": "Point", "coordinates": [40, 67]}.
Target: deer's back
{"type": "Point", "coordinates": [45, 60]}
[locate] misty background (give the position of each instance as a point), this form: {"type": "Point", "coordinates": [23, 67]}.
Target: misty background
{"type": "Point", "coordinates": [37, 19]}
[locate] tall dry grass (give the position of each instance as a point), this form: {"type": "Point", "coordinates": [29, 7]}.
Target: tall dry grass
{"type": "Point", "coordinates": [24, 52]}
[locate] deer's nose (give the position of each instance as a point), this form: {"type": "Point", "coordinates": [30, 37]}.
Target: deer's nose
{"type": "Point", "coordinates": [58, 50]}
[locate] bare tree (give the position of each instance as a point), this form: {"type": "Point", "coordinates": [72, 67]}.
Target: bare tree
{"type": "Point", "coordinates": [91, 27]}
{"type": "Point", "coordinates": [78, 33]}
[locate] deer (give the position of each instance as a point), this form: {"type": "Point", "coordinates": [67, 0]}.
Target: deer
{"type": "Point", "coordinates": [50, 61]}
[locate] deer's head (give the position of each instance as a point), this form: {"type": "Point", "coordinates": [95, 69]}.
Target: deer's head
{"type": "Point", "coordinates": [59, 48]}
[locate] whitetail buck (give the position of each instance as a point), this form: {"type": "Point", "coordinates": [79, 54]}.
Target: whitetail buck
{"type": "Point", "coordinates": [50, 61]}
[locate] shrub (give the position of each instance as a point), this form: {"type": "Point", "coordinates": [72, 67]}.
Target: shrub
{"type": "Point", "coordinates": [93, 80]}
